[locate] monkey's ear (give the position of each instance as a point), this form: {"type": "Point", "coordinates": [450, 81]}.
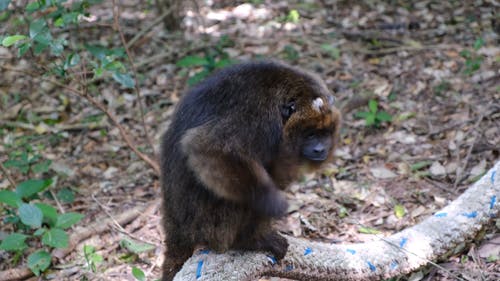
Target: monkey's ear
{"type": "Point", "coordinates": [287, 110]}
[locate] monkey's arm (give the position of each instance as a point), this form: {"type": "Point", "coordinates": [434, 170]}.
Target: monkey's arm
{"type": "Point", "coordinates": [223, 168]}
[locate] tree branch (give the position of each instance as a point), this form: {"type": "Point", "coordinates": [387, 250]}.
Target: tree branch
{"type": "Point", "coordinates": [388, 257]}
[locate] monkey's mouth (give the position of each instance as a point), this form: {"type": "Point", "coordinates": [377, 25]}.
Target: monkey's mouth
{"type": "Point", "coordinates": [316, 158]}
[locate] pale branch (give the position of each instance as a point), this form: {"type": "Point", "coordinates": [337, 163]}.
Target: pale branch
{"type": "Point", "coordinates": [387, 257]}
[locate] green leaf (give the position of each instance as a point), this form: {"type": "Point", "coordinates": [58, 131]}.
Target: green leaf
{"type": "Point", "coordinates": [368, 230]}
{"type": "Point", "coordinates": [4, 4]}
{"type": "Point", "coordinates": [138, 274]}
{"type": "Point", "coordinates": [39, 231]}
{"type": "Point", "coordinates": [40, 32]}
{"type": "Point", "coordinates": [419, 165]}
{"type": "Point", "coordinates": [191, 61]}
{"type": "Point", "coordinates": [30, 215]}
{"type": "Point", "coordinates": [42, 166]}
{"type": "Point", "coordinates": [66, 195]}
{"type": "Point", "coordinates": [223, 63]}
{"type": "Point", "coordinates": [23, 48]}
{"type": "Point", "coordinates": [10, 198]}
{"type": "Point", "coordinates": [372, 105]}
{"type": "Point", "coordinates": [478, 43]}
{"type": "Point", "coordinates": [49, 213]}
{"type": "Point", "coordinates": [57, 47]}
{"type": "Point", "coordinates": [33, 6]}
{"type": "Point", "coordinates": [115, 66]}
{"type": "Point", "coordinates": [38, 48]}
{"type": "Point", "coordinates": [98, 51]}
{"type": "Point", "coordinates": [362, 114]}
{"type": "Point", "coordinates": [59, 22]}
{"type": "Point", "coordinates": [39, 261]}
{"type": "Point", "coordinates": [136, 247]}
{"type": "Point", "coordinates": [30, 187]}
{"type": "Point", "coordinates": [72, 60]}
{"type": "Point", "coordinates": [293, 16]}
{"type": "Point", "coordinates": [11, 40]}
{"type": "Point", "coordinates": [331, 51]}
{"type": "Point", "coordinates": [124, 78]}
{"type": "Point", "coordinates": [399, 211]}
{"type": "Point", "coordinates": [56, 238]}
{"type": "Point", "coordinates": [88, 249]}
{"type": "Point", "coordinates": [370, 120]}
{"type": "Point", "coordinates": [197, 77]}
{"type": "Point", "coordinates": [14, 242]}
{"type": "Point", "coordinates": [68, 219]}
{"type": "Point", "coordinates": [384, 116]}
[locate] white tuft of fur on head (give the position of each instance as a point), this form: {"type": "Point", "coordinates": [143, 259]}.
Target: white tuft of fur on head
{"type": "Point", "coordinates": [317, 104]}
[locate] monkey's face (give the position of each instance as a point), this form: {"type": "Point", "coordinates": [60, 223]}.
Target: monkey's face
{"type": "Point", "coordinates": [311, 127]}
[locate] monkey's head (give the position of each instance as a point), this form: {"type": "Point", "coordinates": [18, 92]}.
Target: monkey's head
{"type": "Point", "coordinates": [310, 123]}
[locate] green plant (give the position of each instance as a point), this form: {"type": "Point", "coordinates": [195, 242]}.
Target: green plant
{"type": "Point", "coordinates": [34, 221]}
{"type": "Point", "coordinates": [374, 116]}
{"type": "Point", "coordinates": [293, 16]}
{"type": "Point", "coordinates": [91, 257]}
{"type": "Point", "coordinates": [29, 217]}
{"type": "Point", "coordinates": [138, 274]}
{"type": "Point", "coordinates": [42, 19]}
{"type": "Point", "coordinates": [214, 58]}
{"type": "Point", "coordinates": [472, 59]}
{"type": "Point", "coordinates": [290, 53]}
{"type": "Point", "coordinates": [331, 51]}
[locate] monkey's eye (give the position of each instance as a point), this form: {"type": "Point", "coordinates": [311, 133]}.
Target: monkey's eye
{"type": "Point", "coordinates": [287, 110]}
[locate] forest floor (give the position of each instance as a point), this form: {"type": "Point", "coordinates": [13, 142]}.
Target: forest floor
{"type": "Point", "coordinates": [433, 66]}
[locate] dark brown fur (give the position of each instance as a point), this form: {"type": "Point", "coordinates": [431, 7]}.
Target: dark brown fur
{"type": "Point", "coordinates": [230, 150]}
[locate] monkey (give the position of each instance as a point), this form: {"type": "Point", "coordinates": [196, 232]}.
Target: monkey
{"type": "Point", "coordinates": [235, 142]}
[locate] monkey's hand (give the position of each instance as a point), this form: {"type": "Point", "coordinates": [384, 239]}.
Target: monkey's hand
{"type": "Point", "coordinates": [271, 203]}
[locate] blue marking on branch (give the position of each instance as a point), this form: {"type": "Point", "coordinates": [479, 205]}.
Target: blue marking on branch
{"type": "Point", "coordinates": [470, 215]}
{"type": "Point", "coordinates": [372, 266]}
{"type": "Point", "coordinates": [307, 251]}
{"type": "Point", "coordinates": [403, 242]}
{"type": "Point", "coordinates": [272, 259]}
{"type": "Point", "coordinates": [441, 215]}
{"type": "Point", "coordinates": [198, 269]}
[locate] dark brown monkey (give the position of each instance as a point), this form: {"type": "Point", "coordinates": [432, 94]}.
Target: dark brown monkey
{"type": "Point", "coordinates": [236, 140]}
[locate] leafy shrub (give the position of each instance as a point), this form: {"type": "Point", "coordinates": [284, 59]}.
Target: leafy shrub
{"type": "Point", "coordinates": [374, 116]}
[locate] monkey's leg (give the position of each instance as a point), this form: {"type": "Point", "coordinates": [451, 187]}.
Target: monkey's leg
{"type": "Point", "coordinates": [259, 236]}
{"type": "Point", "coordinates": [175, 257]}
{"type": "Point", "coordinates": [268, 242]}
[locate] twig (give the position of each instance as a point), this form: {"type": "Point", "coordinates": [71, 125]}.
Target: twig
{"type": "Point", "coordinates": [111, 217]}
{"type": "Point", "coordinates": [55, 128]}
{"type": "Point", "coordinates": [6, 173]}
{"type": "Point", "coordinates": [123, 132]}
{"type": "Point", "coordinates": [147, 28]}
{"type": "Point", "coordinates": [117, 27]}
{"type": "Point", "coordinates": [59, 206]}
{"type": "Point", "coordinates": [402, 48]}
{"type": "Point", "coordinates": [460, 170]}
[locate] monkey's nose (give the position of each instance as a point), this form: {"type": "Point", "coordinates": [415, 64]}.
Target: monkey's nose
{"type": "Point", "coordinates": [319, 149]}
